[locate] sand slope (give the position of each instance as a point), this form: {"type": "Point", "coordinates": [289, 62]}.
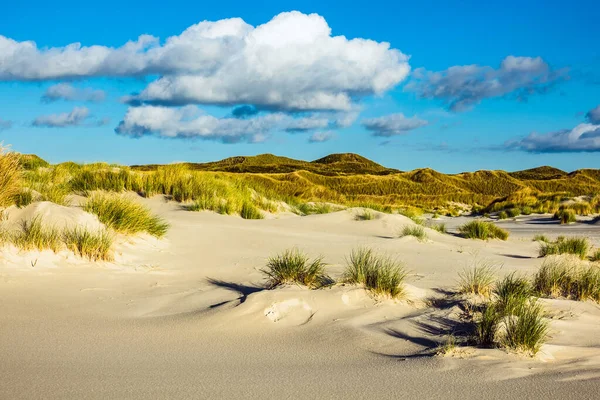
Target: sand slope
{"type": "Point", "coordinates": [187, 317]}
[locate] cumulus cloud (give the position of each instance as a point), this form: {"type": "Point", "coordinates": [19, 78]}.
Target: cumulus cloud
{"type": "Point", "coordinates": [392, 125]}
{"type": "Point", "coordinates": [66, 91]}
{"type": "Point", "coordinates": [74, 118]}
{"type": "Point", "coordinates": [320, 137]}
{"type": "Point", "coordinates": [308, 123]}
{"type": "Point", "coordinates": [462, 87]}
{"type": "Point", "coordinates": [191, 122]}
{"type": "Point", "coordinates": [583, 138]}
{"type": "Point", "coordinates": [4, 124]}
{"type": "Point", "coordinates": [593, 116]}
{"type": "Point", "coordinates": [289, 63]}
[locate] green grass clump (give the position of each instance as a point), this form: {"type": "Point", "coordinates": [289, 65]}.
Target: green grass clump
{"type": "Point", "coordinates": [23, 198]}
{"type": "Point", "coordinates": [10, 176]}
{"type": "Point", "coordinates": [249, 211]}
{"type": "Point", "coordinates": [478, 279]}
{"type": "Point", "coordinates": [482, 230]}
{"type": "Point", "coordinates": [414, 230]}
{"type": "Point", "coordinates": [365, 215]}
{"type": "Point", "coordinates": [379, 274]}
{"type": "Point", "coordinates": [595, 255]}
{"type": "Point", "coordinates": [526, 328]}
{"type": "Point", "coordinates": [414, 213]}
{"type": "Point", "coordinates": [94, 246]}
{"type": "Point", "coordinates": [566, 216]}
{"type": "Point", "coordinates": [526, 210]}
{"type": "Point", "coordinates": [577, 246]}
{"type": "Point", "coordinates": [487, 326]}
{"type": "Point", "coordinates": [555, 278]}
{"type": "Point", "coordinates": [587, 286]}
{"type": "Point", "coordinates": [502, 215]}
{"type": "Point", "coordinates": [541, 238]}
{"type": "Point", "coordinates": [33, 235]}
{"type": "Point", "coordinates": [441, 227]}
{"type": "Point", "coordinates": [125, 215]}
{"type": "Point", "coordinates": [513, 212]}
{"type": "Point", "coordinates": [293, 267]}
{"type": "Point", "coordinates": [511, 292]}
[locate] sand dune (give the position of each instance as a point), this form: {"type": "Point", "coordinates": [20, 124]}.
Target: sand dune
{"type": "Point", "coordinates": [188, 316]}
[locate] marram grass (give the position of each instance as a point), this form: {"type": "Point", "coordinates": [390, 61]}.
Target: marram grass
{"type": "Point", "coordinates": [416, 231]}
{"type": "Point", "coordinates": [379, 274]}
{"type": "Point", "coordinates": [482, 230]}
{"type": "Point", "coordinates": [94, 246]}
{"type": "Point", "coordinates": [294, 267]}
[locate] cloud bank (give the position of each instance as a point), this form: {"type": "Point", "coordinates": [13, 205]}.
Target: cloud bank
{"type": "Point", "coordinates": [290, 63]}
{"type": "Point", "coordinates": [593, 116]}
{"type": "Point", "coordinates": [392, 125]}
{"type": "Point", "coordinates": [66, 91]}
{"type": "Point", "coordinates": [462, 87]}
{"type": "Point", "coordinates": [320, 137]}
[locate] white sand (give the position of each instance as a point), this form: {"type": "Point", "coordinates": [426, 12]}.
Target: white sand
{"type": "Point", "coordinates": [185, 317]}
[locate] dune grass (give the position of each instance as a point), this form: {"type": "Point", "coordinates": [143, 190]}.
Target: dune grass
{"type": "Point", "coordinates": [482, 230]}
{"type": "Point", "coordinates": [526, 328]}
{"type": "Point", "coordinates": [125, 215]}
{"type": "Point", "coordinates": [294, 267]}
{"type": "Point", "coordinates": [541, 238]}
{"type": "Point", "coordinates": [379, 274]}
{"type": "Point", "coordinates": [502, 215]}
{"type": "Point", "coordinates": [33, 235]}
{"type": "Point", "coordinates": [10, 176]}
{"type": "Point", "coordinates": [595, 255]}
{"type": "Point", "coordinates": [440, 227]}
{"type": "Point", "coordinates": [365, 214]}
{"type": "Point", "coordinates": [95, 246]}
{"type": "Point", "coordinates": [250, 211]}
{"type": "Point", "coordinates": [487, 326]}
{"type": "Point", "coordinates": [414, 230]}
{"type": "Point", "coordinates": [511, 292]}
{"type": "Point", "coordinates": [578, 246]}
{"type": "Point", "coordinates": [569, 278]}
{"type": "Point", "coordinates": [23, 198]}
{"type": "Point", "coordinates": [566, 216]}
{"type": "Point", "coordinates": [513, 212]}
{"type": "Point", "coordinates": [478, 279]}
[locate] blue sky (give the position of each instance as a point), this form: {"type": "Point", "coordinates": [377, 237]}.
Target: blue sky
{"type": "Point", "coordinates": [461, 86]}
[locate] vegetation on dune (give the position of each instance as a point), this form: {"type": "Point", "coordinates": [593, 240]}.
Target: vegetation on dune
{"type": "Point", "coordinates": [478, 279]}
{"type": "Point", "coordinates": [565, 216]}
{"type": "Point", "coordinates": [91, 245]}
{"type": "Point", "coordinates": [33, 235]}
{"type": "Point", "coordinates": [294, 267]}
{"type": "Point", "coordinates": [569, 278]}
{"type": "Point", "coordinates": [416, 231]}
{"type": "Point", "coordinates": [10, 177]}
{"type": "Point", "coordinates": [482, 230]}
{"type": "Point", "coordinates": [380, 275]}
{"type": "Point", "coordinates": [562, 245]}
{"type": "Point", "coordinates": [364, 215]}
{"type": "Point", "coordinates": [125, 215]}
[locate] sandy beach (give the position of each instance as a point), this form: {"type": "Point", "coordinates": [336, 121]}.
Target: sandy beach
{"type": "Point", "coordinates": [188, 316]}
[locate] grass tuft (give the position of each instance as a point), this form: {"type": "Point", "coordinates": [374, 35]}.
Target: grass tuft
{"type": "Point", "coordinates": [562, 245]}
{"type": "Point", "coordinates": [526, 328]}
{"type": "Point", "coordinates": [125, 215]}
{"type": "Point", "coordinates": [249, 211]}
{"type": "Point", "coordinates": [34, 236]}
{"type": "Point", "coordinates": [482, 230]}
{"type": "Point", "coordinates": [379, 274]}
{"type": "Point", "coordinates": [10, 176]}
{"type": "Point", "coordinates": [478, 279]}
{"type": "Point", "coordinates": [566, 216]}
{"type": "Point", "coordinates": [91, 245]}
{"type": "Point", "coordinates": [511, 292]}
{"type": "Point", "coordinates": [414, 230]}
{"type": "Point", "coordinates": [541, 238]}
{"type": "Point", "coordinates": [292, 266]}
{"type": "Point", "coordinates": [364, 215]}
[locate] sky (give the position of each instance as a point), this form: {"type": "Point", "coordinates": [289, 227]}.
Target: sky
{"type": "Point", "coordinates": [453, 86]}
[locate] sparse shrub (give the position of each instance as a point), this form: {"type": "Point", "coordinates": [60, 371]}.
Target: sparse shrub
{"type": "Point", "coordinates": [379, 274]}
{"type": "Point", "coordinates": [10, 176]}
{"type": "Point", "coordinates": [94, 246]}
{"type": "Point", "coordinates": [566, 216]}
{"type": "Point", "coordinates": [478, 279]}
{"type": "Point", "coordinates": [526, 328]}
{"type": "Point", "coordinates": [502, 215]}
{"type": "Point", "coordinates": [249, 211]}
{"type": "Point", "coordinates": [35, 236]}
{"type": "Point", "coordinates": [577, 246]}
{"type": "Point", "coordinates": [125, 215]}
{"type": "Point", "coordinates": [482, 230]}
{"type": "Point", "coordinates": [294, 267]}
{"type": "Point", "coordinates": [414, 230]}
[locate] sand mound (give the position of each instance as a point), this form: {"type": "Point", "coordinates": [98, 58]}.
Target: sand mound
{"type": "Point", "coordinates": [54, 215]}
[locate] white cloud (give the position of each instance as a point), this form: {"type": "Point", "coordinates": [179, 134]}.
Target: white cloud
{"type": "Point", "coordinates": [66, 91]}
{"type": "Point", "coordinates": [4, 124]}
{"type": "Point", "coordinates": [462, 87]}
{"type": "Point", "coordinates": [191, 122]}
{"type": "Point", "coordinates": [392, 125]}
{"type": "Point", "coordinates": [307, 124]}
{"type": "Point", "coordinates": [583, 138]}
{"type": "Point", "coordinates": [593, 116]}
{"type": "Point", "coordinates": [74, 118]}
{"type": "Point", "coordinates": [290, 63]}
{"type": "Point", "coordinates": [320, 137]}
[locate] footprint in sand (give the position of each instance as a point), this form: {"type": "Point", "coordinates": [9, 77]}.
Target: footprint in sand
{"type": "Point", "coordinates": [293, 311]}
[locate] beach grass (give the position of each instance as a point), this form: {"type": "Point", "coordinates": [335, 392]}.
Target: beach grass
{"type": "Point", "coordinates": [482, 230]}
{"type": "Point", "coordinates": [416, 231]}
{"type": "Point", "coordinates": [95, 246]}
{"type": "Point", "coordinates": [294, 267]}
{"type": "Point", "coordinates": [379, 274]}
